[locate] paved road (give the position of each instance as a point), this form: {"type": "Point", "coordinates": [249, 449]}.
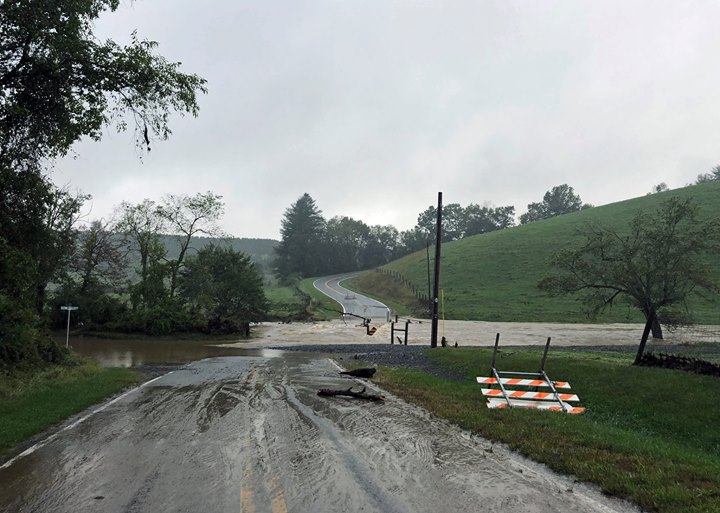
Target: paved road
{"type": "Point", "coordinates": [249, 434]}
{"type": "Point", "coordinates": [352, 302]}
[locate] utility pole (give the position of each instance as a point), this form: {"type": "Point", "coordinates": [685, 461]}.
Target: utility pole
{"type": "Point", "coordinates": [436, 287]}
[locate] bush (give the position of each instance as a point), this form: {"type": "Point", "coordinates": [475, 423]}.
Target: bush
{"type": "Point", "coordinates": [163, 319]}
{"type": "Point", "coordinates": [22, 341]}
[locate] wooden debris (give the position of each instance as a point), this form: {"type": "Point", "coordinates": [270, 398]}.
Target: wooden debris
{"type": "Point", "coordinates": [326, 392]}
{"type": "Point", "coordinates": [366, 372]}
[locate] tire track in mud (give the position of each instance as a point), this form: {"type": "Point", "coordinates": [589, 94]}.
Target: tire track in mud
{"type": "Point", "coordinates": [250, 434]}
{"type": "Point", "coordinates": [340, 454]}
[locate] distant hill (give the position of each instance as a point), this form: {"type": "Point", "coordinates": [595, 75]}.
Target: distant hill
{"type": "Point", "coordinates": [494, 276]}
{"type": "Point", "coordinates": [260, 251]}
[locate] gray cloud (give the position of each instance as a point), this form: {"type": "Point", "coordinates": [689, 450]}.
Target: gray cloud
{"type": "Point", "coordinates": [373, 107]}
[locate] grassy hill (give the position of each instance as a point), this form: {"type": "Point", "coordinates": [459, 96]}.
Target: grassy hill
{"type": "Point", "coordinates": [494, 276]}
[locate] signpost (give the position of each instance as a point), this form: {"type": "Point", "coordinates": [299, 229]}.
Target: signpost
{"type": "Point", "coordinates": [69, 309]}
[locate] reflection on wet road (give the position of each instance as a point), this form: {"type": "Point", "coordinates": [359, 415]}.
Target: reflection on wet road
{"type": "Point", "coordinates": [249, 434]}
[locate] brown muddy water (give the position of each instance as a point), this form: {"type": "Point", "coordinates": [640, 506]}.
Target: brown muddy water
{"type": "Point", "coordinates": [150, 352]}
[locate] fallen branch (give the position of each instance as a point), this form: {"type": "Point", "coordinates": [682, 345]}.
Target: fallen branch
{"type": "Point", "coordinates": [366, 372]}
{"type": "Point", "coordinates": [326, 392]}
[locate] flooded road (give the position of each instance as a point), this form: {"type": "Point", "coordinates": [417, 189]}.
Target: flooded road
{"type": "Point", "coordinates": [140, 352]}
{"type": "Point", "coordinates": [250, 434]}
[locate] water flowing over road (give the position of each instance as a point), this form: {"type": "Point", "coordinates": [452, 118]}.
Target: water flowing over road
{"type": "Point", "coordinates": [250, 434]}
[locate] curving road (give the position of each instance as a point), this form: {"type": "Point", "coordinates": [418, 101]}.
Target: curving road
{"type": "Point", "coordinates": [352, 302]}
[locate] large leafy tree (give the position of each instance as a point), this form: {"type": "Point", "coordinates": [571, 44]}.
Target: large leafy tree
{"type": "Point", "coordinates": [187, 217]}
{"type": "Point", "coordinates": [345, 242]}
{"type": "Point", "coordinates": [58, 83]}
{"type": "Point", "coordinates": [143, 226]}
{"type": "Point", "coordinates": [299, 252]}
{"type": "Point", "coordinates": [222, 287]}
{"type": "Point", "coordinates": [452, 220]}
{"type": "Point", "coordinates": [383, 246]}
{"type": "Point", "coordinates": [655, 265]}
{"type": "Point", "coordinates": [477, 219]}
{"type": "Point", "coordinates": [559, 200]}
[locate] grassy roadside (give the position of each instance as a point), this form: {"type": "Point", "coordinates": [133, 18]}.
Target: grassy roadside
{"type": "Point", "coordinates": [649, 435]}
{"type": "Point", "coordinates": [323, 308]}
{"type": "Point", "coordinates": [382, 288]}
{"type": "Point", "coordinates": [31, 402]}
{"type": "Point", "coordinates": [285, 302]}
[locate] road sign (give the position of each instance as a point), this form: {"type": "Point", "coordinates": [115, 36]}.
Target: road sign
{"type": "Point", "coordinates": [69, 309]}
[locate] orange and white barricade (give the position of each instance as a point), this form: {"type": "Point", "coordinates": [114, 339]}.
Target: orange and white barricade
{"type": "Point", "coordinates": [505, 397]}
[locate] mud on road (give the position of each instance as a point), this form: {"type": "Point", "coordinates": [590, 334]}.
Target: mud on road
{"type": "Point", "coordinates": [249, 434]}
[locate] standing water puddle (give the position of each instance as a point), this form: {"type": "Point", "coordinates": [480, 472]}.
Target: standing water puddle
{"type": "Point", "coordinates": [139, 352]}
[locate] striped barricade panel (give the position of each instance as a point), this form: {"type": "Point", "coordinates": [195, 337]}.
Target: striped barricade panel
{"type": "Point", "coordinates": [499, 403]}
{"type": "Point", "coordinates": [521, 394]}
{"type": "Point", "coordinates": [521, 382]}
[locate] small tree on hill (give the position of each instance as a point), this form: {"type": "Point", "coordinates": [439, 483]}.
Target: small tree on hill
{"type": "Point", "coordinates": [561, 199]}
{"type": "Point", "coordinates": [655, 266]}
{"type": "Point", "coordinates": [712, 176]}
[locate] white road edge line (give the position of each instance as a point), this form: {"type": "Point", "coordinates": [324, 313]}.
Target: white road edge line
{"type": "Point", "coordinates": [52, 437]}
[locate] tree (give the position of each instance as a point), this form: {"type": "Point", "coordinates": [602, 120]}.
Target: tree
{"type": "Point", "coordinates": [712, 176]}
{"type": "Point", "coordinates": [559, 200]}
{"type": "Point", "coordinates": [383, 246]}
{"type": "Point", "coordinates": [413, 240]}
{"type": "Point", "coordinates": [185, 217]}
{"type": "Point", "coordinates": [344, 241]}
{"type": "Point", "coordinates": [222, 286]}
{"type": "Point", "coordinates": [299, 251]}
{"type": "Point", "coordinates": [60, 83]}
{"type": "Point", "coordinates": [479, 219]}
{"type": "Point", "coordinates": [58, 241]}
{"type": "Point", "coordinates": [655, 266]}
{"type": "Point", "coordinates": [661, 187]}
{"type": "Point", "coordinates": [452, 222]}
{"type": "Point", "coordinates": [143, 226]}
{"type": "Point", "coordinates": [100, 255]}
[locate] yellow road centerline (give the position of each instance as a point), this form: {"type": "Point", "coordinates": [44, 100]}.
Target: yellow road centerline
{"type": "Point", "coordinates": [278, 504]}
{"type": "Point", "coordinates": [247, 501]}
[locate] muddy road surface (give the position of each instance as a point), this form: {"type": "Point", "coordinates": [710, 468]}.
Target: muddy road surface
{"type": "Point", "coordinates": [250, 434]}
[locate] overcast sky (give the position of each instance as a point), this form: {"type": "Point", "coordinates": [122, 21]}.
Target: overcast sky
{"type": "Point", "coordinates": [372, 107]}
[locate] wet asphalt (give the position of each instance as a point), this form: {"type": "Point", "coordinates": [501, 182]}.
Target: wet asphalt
{"type": "Point", "coordinates": [250, 434]}
{"type": "Point", "coordinates": [351, 302]}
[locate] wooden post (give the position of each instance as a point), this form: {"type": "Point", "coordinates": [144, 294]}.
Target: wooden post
{"type": "Point", "coordinates": [392, 332]}
{"type": "Point", "coordinates": [407, 323]}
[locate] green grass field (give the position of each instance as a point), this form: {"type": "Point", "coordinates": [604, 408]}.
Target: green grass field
{"type": "Point", "coordinates": [494, 276]}
{"type": "Point", "coordinates": [31, 402]}
{"type": "Point", "coordinates": [649, 435]}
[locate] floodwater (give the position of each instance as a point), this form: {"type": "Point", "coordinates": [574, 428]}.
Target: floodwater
{"type": "Point", "coordinates": [141, 352]}
{"type": "Point", "coordinates": [250, 434]}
